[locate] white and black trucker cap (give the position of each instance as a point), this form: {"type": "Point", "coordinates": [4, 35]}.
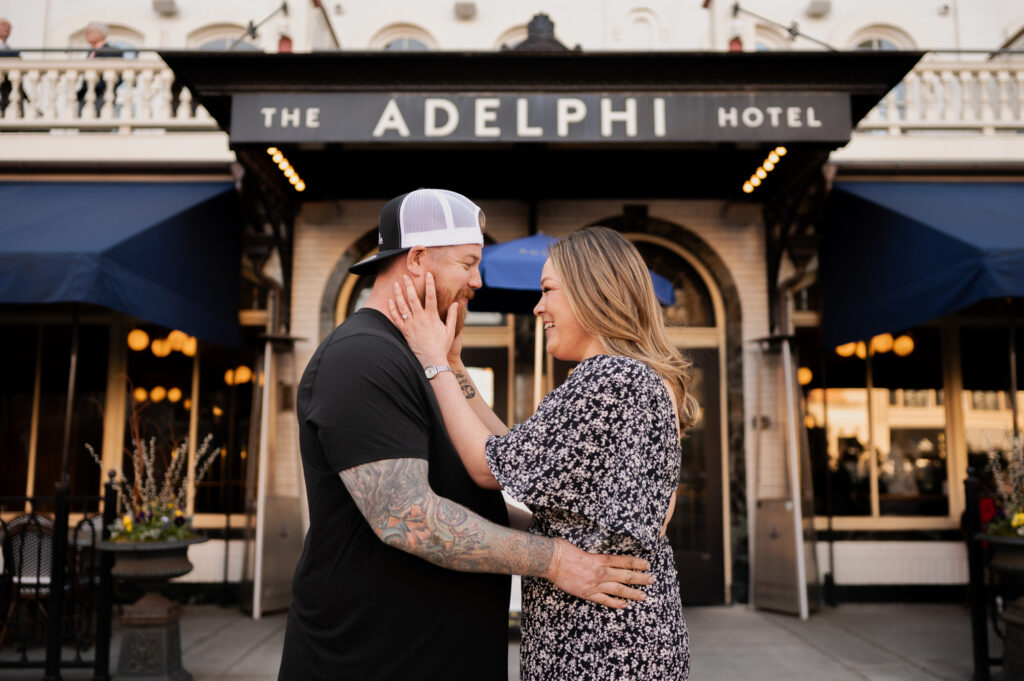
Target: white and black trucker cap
{"type": "Point", "coordinates": [425, 217]}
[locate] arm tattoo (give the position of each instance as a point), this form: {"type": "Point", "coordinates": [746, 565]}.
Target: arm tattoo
{"type": "Point", "coordinates": [396, 500]}
{"type": "Point", "coordinates": [464, 383]}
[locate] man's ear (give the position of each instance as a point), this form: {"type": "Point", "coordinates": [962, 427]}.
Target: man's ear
{"type": "Point", "coordinates": [416, 262]}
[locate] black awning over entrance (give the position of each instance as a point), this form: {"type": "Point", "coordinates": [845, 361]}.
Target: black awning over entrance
{"type": "Point", "coordinates": [719, 117]}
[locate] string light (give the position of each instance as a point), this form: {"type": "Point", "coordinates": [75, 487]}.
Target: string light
{"type": "Point", "coordinates": [768, 165]}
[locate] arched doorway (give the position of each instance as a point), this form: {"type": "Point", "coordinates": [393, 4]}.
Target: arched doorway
{"type": "Point", "coordinates": [708, 529]}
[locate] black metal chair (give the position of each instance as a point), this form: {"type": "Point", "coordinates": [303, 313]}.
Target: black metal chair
{"type": "Point", "coordinates": [28, 557]}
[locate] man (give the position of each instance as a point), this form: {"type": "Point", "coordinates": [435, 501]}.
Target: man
{"type": "Point", "coordinates": [6, 51]}
{"type": "Point", "coordinates": [393, 580]}
{"type": "Point", "coordinates": [96, 35]}
{"type": "Point", "coordinates": [5, 34]}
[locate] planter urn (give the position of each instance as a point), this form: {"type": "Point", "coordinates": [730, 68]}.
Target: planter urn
{"type": "Point", "coordinates": [151, 638]}
{"type": "Point", "coordinates": [1008, 560]}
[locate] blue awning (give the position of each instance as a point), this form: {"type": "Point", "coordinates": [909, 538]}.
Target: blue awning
{"type": "Point", "coordinates": [165, 252]}
{"type": "Point", "coordinates": [897, 254]}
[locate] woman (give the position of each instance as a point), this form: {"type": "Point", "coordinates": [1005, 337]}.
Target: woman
{"type": "Point", "coordinates": [597, 464]}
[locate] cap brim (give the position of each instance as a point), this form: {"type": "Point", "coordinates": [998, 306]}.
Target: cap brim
{"type": "Point", "coordinates": [369, 266]}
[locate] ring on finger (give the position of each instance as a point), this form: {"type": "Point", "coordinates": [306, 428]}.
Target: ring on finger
{"type": "Point", "coordinates": [405, 316]}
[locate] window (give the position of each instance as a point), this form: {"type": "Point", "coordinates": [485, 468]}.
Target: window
{"type": "Point", "coordinates": [403, 38]}
{"type": "Point", "coordinates": [221, 37]}
{"type": "Point", "coordinates": [161, 368]}
{"type": "Point", "coordinates": [406, 45]}
{"type": "Point", "coordinates": [33, 399]}
{"type": "Point", "coordinates": [883, 451]}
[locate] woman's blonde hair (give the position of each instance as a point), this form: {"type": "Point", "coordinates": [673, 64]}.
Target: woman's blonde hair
{"type": "Point", "coordinates": [610, 291]}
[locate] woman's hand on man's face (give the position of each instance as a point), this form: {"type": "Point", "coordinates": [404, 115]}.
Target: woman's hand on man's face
{"type": "Point", "coordinates": [428, 337]}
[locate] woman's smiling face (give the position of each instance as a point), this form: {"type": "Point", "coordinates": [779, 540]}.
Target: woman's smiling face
{"type": "Point", "coordinates": [566, 338]}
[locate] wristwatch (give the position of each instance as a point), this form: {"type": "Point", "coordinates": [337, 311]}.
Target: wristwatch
{"type": "Point", "coordinates": [432, 371]}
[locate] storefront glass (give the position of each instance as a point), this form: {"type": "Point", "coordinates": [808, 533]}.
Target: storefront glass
{"type": "Point", "coordinates": [876, 423]}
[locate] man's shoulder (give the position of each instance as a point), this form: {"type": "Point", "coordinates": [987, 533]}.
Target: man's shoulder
{"type": "Point", "coordinates": [361, 341]}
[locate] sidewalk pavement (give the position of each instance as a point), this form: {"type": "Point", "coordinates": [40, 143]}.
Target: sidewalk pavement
{"type": "Point", "coordinates": [853, 642]}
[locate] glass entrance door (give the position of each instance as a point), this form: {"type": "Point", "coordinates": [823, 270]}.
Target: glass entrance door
{"type": "Point", "coordinates": [695, 530]}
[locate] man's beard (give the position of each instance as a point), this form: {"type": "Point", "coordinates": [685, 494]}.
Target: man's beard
{"type": "Point", "coordinates": [461, 321]}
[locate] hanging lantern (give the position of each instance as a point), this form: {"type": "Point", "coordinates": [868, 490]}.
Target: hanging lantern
{"type": "Point", "coordinates": [861, 350]}
{"type": "Point", "coordinates": [881, 343]}
{"type": "Point", "coordinates": [160, 347]}
{"type": "Point", "coordinates": [846, 349]}
{"type": "Point", "coordinates": [138, 340]}
{"type": "Point", "coordinates": [188, 348]}
{"type": "Point", "coordinates": [177, 340]}
{"type": "Point", "coordinates": [158, 393]}
{"type": "Point", "coordinates": [140, 395]}
{"type": "Point", "coordinates": [804, 375]}
{"type": "Point", "coordinates": [174, 394]}
{"type": "Point", "coordinates": [243, 374]}
{"type": "Point", "coordinates": [903, 346]}
{"type": "Point", "coordinates": [229, 376]}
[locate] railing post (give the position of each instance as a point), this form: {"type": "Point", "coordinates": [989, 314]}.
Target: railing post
{"type": "Point", "coordinates": [104, 605]}
{"type": "Point", "coordinates": [55, 617]}
{"type": "Point", "coordinates": [976, 572]}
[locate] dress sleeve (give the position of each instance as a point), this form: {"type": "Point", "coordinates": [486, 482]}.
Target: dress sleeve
{"type": "Point", "coordinates": [588, 450]}
{"type": "Point", "coordinates": [366, 403]}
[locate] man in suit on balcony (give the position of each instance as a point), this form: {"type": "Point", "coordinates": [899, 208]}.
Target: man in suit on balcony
{"type": "Point", "coordinates": [96, 35]}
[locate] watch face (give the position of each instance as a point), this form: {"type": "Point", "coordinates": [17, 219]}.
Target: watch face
{"type": "Point", "coordinates": [430, 372]}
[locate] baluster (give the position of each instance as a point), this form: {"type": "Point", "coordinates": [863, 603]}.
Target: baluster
{"type": "Point", "coordinates": [110, 92]}
{"type": "Point", "coordinates": [166, 79]}
{"type": "Point", "coordinates": [892, 112]}
{"type": "Point", "coordinates": [1003, 94]}
{"type": "Point", "coordinates": [32, 92]}
{"type": "Point", "coordinates": [88, 111]}
{"type": "Point", "coordinates": [985, 108]}
{"type": "Point", "coordinates": [946, 112]}
{"type": "Point", "coordinates": [929, 85]}
{"type": "Point", "coordinates": [67, 88]}
{"type": "Point", "coordinates": [127, 96]}
{"type": "Point", "coordinates": [50, 94]}
{"type": "Point", "coordinates": [202, 114]}
{"type": "Point", "coordinates": [14, 103]}
{"type": "Point", "coordinates": [968, 112]}
{"type": "Point", "coordinates": [184, 112]}
{"type": "Point", "coordinates": [145, 94]}
{"type": "Point", "coordinates": [912, 103]}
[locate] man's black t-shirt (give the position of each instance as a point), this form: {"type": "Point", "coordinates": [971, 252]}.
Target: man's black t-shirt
{"type": "Point", "coordinates": [361, 609]}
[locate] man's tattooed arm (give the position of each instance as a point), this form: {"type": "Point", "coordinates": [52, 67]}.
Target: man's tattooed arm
{"type": "Point", "coordinates": [398, 503]}
{"type": "Point", "coordinates": [396, 499]}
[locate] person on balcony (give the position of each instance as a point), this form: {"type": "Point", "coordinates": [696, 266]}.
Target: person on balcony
{"type": "Point", "coordinates": [5, 33]}
{"type": "Point", "coordinates": [96, 34]}
{"type": "Point", "coordinates": [6, 52]}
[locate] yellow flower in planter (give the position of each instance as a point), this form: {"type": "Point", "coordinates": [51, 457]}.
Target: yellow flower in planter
{"type": "Point", "coordinates": [1018, 519]}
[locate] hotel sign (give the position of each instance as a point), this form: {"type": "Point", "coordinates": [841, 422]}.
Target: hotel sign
{"type": "Point", "coordinates": [548, 117]}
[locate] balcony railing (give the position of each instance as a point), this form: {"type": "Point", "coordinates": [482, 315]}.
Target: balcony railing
{"type": "Point", "coordinates": [943, 96]}
{"type": "Point", "coordinates": [99, 94]}
{"type": "Point", "coordinates": [123, 95]}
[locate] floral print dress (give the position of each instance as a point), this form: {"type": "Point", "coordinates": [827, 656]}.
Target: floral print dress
{"type": "Point", "coordinates": [597, 465]}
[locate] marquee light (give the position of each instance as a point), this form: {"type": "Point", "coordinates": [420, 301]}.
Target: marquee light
{"type": "Point", "coordinates": [768, 165]}
{"type": "Point", "coordinates": [285, 166]}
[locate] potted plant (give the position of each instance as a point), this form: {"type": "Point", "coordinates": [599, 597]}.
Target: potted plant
{"type": "Point", "coordinates": [1004, 535]}
{"type": "Point", "coordinates": [150, 541]}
